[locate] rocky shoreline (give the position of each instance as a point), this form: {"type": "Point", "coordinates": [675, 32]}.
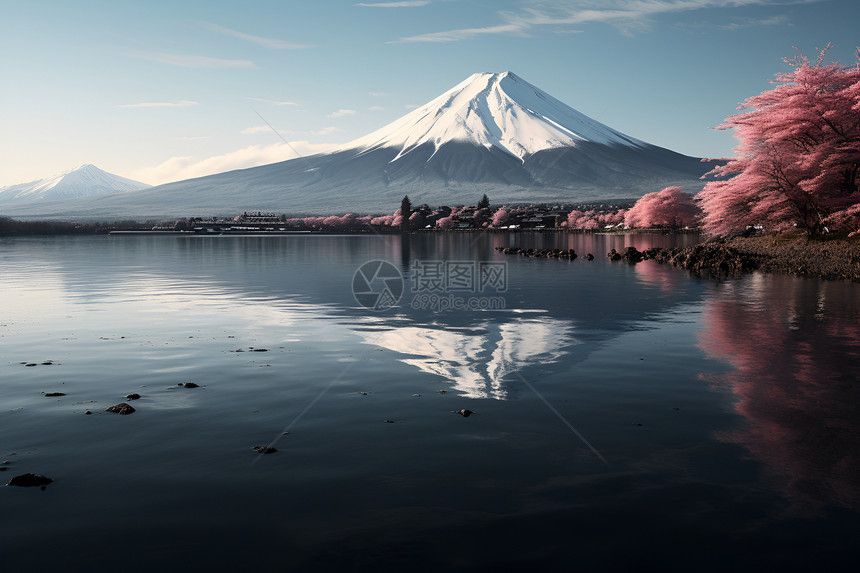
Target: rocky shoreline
{"type": "Point", "coordinates": [826, 259]}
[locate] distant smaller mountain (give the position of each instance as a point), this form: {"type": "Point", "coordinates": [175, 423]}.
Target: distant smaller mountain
{"type": "Point", "coordinates": [84, 181]}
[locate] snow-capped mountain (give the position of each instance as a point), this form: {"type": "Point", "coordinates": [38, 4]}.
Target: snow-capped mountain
{"type": "Point", "coordinates": [83, 181]}
{"type": "Point", "coordinates": [493, 133]}
{"type": "Point", "coordinates": [493, 110]}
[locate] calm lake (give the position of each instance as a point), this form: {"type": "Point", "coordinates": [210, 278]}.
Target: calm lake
{"type": "Point", "coordinates": [626, 417]}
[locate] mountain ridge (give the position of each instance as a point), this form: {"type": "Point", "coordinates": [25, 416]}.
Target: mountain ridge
{"type": "Point", "coordinates": [83, 181]}
{"type": "Point", "coordinates": [492, 133]}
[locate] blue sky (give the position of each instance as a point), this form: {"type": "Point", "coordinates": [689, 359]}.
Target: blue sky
{"type": "Point", "coordinates": [165, 90]}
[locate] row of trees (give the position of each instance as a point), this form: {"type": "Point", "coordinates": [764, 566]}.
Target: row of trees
{"type": "Point", "coordinates": [10, 226]}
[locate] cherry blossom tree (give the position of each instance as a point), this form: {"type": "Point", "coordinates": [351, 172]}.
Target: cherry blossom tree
{"type": "Point", "coordinates": [445, 222]}
{"type": "Point", "coordinates": [583, 220]}
{"type": "Point", "coordinates": [798, 158]}
{"type": "Point", "coordinates": [500, 217]}
{"type": "Point", "coordinates": [670, 207]}
{"type": "Point", "coordinates": [384, 220]}
{"type": "Point", "coordinates": [612, 217]}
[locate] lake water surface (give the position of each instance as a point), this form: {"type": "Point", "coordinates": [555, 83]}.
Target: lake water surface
{"type": "Point", "coordinates": [626, 416]}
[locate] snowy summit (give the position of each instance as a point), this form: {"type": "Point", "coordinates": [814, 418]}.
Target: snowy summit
{"type": "Point", "coordinates": [82, 181]}
{"type": "Point", "coordinates": [493, 110]}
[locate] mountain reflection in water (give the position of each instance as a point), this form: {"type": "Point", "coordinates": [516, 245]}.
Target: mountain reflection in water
{"type": "Point", "coordinates": [477, 360]}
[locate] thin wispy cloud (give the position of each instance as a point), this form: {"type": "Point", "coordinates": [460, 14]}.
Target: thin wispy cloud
{"type": "Point", "coordinates": [186, 167]}
{"type": "Point", "coordinates": [464, 34]}
{"type": "Point", "coordinates": [626, 15]}
{"type": "Point", "coordinates": [272, 101]}
{"type": "Point", "coordinates": [736, 23]}
{"type": "Point", "coordinates": [404, 4]}
{"type": "Point", "coordinates": [191, 61]}
{"type": "Point", "coordinates": [376, 108]}
{"type": "Point", "coordinates": [378, 94]}
{"type": "Point", "coordinates": [342, 113]}
{"type": "Point", "coordinates": [181, 103]}
{"type": "Point", "coordinates": [271, 43]}
{"type": "Point", "coordinates": [756, 23]}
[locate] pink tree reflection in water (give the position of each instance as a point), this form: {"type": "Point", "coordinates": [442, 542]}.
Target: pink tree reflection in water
{"type": "Point", "coordinates": [794, 345]}
{"type": "Point", "coordinates": [664, 277]}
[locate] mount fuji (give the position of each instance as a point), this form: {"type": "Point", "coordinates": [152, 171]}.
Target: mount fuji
{"type": "Point", "coordinates": [84, 181]}
{"type": "Point", "coordinates": [494, 133]}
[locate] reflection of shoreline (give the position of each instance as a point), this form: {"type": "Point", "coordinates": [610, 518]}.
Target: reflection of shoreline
{"type": "Point", "coordinates": [476, 361]}
{"type": "Point", "coordinates": [795, 348]}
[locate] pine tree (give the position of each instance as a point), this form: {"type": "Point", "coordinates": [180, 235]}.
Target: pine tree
{"type": "Point", "coordinates": [405, 213]}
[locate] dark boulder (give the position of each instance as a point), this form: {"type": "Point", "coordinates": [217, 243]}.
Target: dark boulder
{"type": "Point", "coordinates": [651, 253]}
{"type": "Point", "coordinates": [264, 449]}
{"type": "Point", "coordinates": [613, 255]}
{"type": "Point", "coordinates": [122, 408]}
{"type": "Point", "coordinates": [632, 255]}
{"type": "Point", "coordinates": [30, 480]}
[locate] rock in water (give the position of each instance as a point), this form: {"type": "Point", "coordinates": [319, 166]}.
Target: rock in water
{"type": "Point", "coordinates": [189, 385]}
{"type": "Point", "coordinates": [465, 413]}
{"type": "Point", "coordinates": [121, 408]}
{"type": "Point", "coordinates": [30, 480]}
{"type": "Point", "coordinates": [133, 397]}
{"type": "Point", "coordinates": [264, 450]}
{"type": "Point", "coordinates": [632, 255]}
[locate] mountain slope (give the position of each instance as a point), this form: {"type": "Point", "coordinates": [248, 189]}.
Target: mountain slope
{"type": "Point", "coordinates": [493, 133]}
{"type": "Point", "coordinates": [84, 181]}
